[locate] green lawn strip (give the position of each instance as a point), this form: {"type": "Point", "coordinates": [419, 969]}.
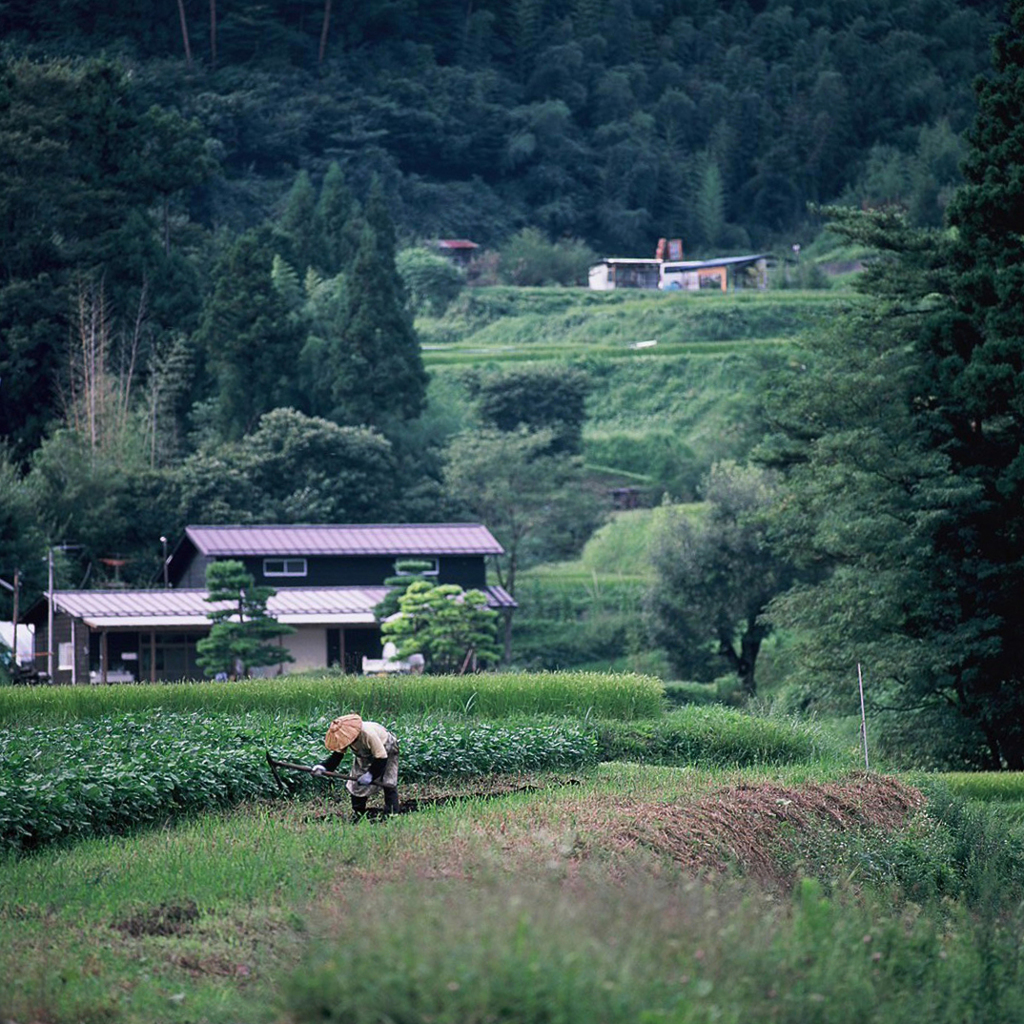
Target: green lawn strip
{"type": "Point", "coordinates": [490, 695]}
{"type": "Point", "coordinates": [1001, 787]}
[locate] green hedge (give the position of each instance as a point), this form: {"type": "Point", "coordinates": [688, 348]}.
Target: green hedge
{"type": "Point", "coordinates": [711, 736]}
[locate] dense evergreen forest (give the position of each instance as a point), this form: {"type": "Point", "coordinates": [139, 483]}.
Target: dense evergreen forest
{"type": "Point", "coordinates": [215, 219]}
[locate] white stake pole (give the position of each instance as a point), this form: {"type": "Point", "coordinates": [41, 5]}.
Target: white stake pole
{"type": "Point", "coordinates": [863, 718]}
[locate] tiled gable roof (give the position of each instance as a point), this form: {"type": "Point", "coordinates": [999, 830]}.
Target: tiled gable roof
{"type": "Point", "coordinates": [370, 539]}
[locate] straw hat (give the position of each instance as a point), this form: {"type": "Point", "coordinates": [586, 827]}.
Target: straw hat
{"type": "Point", "coordinates": [342, 731]}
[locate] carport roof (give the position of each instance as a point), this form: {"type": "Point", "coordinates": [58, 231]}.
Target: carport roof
{"type": "Point", "coordinates": [149, 609]}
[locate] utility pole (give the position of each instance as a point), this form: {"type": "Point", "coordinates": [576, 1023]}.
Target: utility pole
{"type": "Point", "coordinates": [49, 601]}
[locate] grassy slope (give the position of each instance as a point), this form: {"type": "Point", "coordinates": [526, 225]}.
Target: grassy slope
{"type": "Point", "coordinates": [586, 613]}
{"type": "Point", "coordinates": [657, 416]}
{"type": "Point", "coordinates": [250, 915]}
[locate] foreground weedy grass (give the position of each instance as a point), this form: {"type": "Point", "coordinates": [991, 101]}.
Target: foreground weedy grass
{"type": "Point", "coordinates": [792, 891]}
{"type": "Point", "coordinates": [569, 903]}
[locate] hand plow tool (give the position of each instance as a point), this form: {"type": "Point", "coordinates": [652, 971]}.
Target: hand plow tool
{"type": "Point", "coordinates": [308, 769]}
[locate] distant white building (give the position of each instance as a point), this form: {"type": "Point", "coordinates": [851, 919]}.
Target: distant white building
{"type": "Point", "coordinates": [723, 272]}
{"type": "Point", "coordinates": [614, 273]}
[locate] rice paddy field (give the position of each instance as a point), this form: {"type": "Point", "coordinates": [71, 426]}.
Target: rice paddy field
{"type": "Point", "coordinates": [563, 854]}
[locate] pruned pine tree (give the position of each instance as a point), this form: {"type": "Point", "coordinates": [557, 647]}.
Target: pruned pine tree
{"type": "Point", "coordinates": [408, 571]}
{"type": "Point", "coordinates": [242, 632]}
{"type": "Point", "coordinates": [452, 628]}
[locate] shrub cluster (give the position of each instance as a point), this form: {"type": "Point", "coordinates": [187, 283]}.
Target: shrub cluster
{"type": "Point", "coordinates": [710, 736]}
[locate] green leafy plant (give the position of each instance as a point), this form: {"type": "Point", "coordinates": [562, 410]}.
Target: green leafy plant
{"type": "Point", "coordinates": [114, 783]}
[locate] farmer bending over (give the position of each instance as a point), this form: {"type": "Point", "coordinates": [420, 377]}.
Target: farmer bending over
{"type": "Point", "coordinates": [375, 760]}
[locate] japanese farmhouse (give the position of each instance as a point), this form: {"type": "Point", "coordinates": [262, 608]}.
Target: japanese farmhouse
{"type": "Point", "coordinates": [328, 581]}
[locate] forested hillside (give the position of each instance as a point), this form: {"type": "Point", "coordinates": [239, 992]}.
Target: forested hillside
{"type": "Point", "coordinates": [214, 220]}
{"type": "Point", "coordinates": [614, 121]}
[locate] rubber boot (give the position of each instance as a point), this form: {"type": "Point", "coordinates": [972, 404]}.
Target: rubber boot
{"type": "Point", "coordinates": [391, 805]}
{"type": "Point", "coordinates": [358, 808]}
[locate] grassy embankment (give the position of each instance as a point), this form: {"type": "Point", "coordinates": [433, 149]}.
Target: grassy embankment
{"type": "Point", "coordinates": [787, 890]}
{"type": "Point", "coordinates": [657, 418]}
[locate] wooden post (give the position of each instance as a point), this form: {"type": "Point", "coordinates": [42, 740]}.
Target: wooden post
{"type": "Point", "coordinates": [863, 717]}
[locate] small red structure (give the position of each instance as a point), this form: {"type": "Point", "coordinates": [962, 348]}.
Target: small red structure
{"type": "Point", "coordinates": [461, 250]}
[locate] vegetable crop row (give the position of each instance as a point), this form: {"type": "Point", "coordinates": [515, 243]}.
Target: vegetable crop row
{"type": "Point", "coordinates": [116, 772]}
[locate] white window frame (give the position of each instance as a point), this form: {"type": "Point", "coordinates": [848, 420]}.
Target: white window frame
{"type": "Point", "coordinates": [65, 655]}
{"type": "Point", "coordinates": [289, 567]}
{"type": "Point", "coordinates": [418, 558]}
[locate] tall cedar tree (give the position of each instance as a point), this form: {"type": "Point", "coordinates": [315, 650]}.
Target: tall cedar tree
{"type": "Point", "coordinates": [866, 497]}
{"type": "Point", "coordinates": [376, 363]}
{"type": "Point", "coordinates": [250, 337]}
{"type": "Point", "coordinates": [975, 387]}
{"type": "Point", "coordinates": [298, 222]}
{"type": "Point", "coordinates": [334, 224]}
